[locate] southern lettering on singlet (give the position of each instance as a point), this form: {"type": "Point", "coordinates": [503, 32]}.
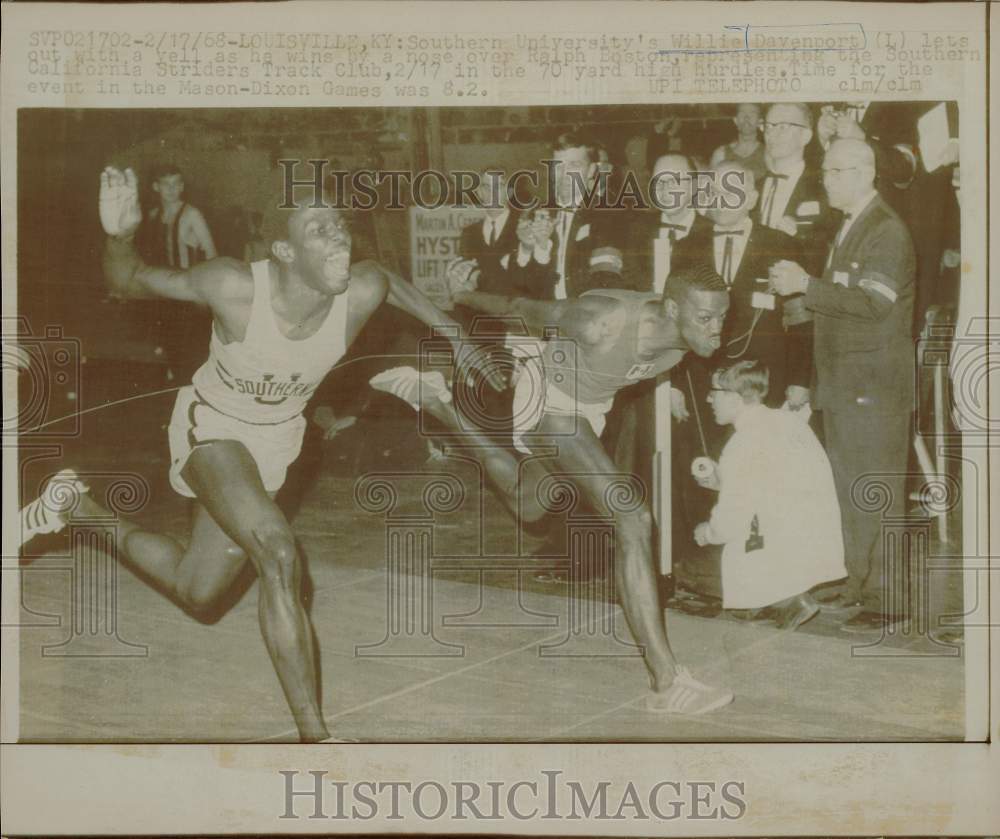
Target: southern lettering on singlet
{"type": "Point", "coordinates": [266, 378]}
{"type": "Point", "coordinates": [597, 378]}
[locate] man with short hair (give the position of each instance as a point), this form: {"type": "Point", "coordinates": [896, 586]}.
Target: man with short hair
{"type": "Point", "coordinates": [578, 229]}
{"type": "Point", "coordinates": [747, 148]}
{"type": "Point", "coordinates": [863, 309]}
{"type": "Point", "coordinates": [176, 235]}
{"type": "Point", "coordinates": [742, 251]}
{"type": "Point", "coordinates": [618, 338]}
{"type": "Point", "coordinates": [279, 326]}
{"type": "Point", "coordinates": [655, 234]}
{"type": "Point", "coordinates": [489, 240]}
{"type": "Point", "coordinates": [791, 194]}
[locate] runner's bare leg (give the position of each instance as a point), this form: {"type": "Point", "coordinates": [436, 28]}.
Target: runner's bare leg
{"type": "Point", "coordinates": [582, 455]}
{"type": "Point", "coordinates": [236, 519]}
{"type": "Point", "coordinates": [579, 452]}
{"type": "Point", "coordinates": [516, 479]}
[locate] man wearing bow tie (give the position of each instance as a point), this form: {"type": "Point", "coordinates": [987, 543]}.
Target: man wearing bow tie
{"type": "Point", "coordinates": [655, 234]}
{"type": "Point", "coordinates": [919, 190]}
{"type": "Point", "coordinates": [791, 195]}
{"type": "Point", "coordinates": [654, 240]}
{"type": "Point", "coordinates": [862, 304]}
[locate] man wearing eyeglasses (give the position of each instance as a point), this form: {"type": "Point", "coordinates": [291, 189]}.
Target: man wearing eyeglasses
{"type": "Point", "coordinates": [742, 252]}
{"type": "Point", "coordinates": [863, 307]}
{"type": "Point", "coordinates": [791, 194]}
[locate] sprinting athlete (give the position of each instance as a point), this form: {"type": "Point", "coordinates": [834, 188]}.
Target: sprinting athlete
{"type": "Point", "coordinates": [279, 326]}
{"type": "Point", "coordinates": [620, 337]}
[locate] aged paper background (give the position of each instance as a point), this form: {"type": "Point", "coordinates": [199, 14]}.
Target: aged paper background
{"type": "Point", "coordinates": [790, 789]}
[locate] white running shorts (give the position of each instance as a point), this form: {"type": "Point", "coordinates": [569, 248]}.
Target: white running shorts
{"type": "Point", "coordinates": [274, 447]}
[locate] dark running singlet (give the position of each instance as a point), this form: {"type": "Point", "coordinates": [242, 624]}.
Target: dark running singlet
{"type": "Point", "coordinates": [164, 246]}
{"type": "Point", "coordinates": [599, 377]}
{"type": "Point", "coordinates": [266, 378]}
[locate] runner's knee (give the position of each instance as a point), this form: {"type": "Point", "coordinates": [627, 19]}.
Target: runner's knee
{"type": "Point", "coordinates": [634, 529]}
{"type": "Point", "coordinates": [276, 559]}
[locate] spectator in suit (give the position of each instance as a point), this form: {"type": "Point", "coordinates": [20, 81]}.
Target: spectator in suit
{"type": "Point", "coordinates": [791, 195]}
{"type": "Point", "coordinates": [489, 240]}
{"type": "Point", "coordinates": [525, 267]}
{"type": "Point", "coordinates": [578, 228]}
{"type": "Point", "coordinates": [486, 242]}
{"type": "Point", "coordinates": [747, 148]}
{"type": "Point", "coordinates": [742, 251]}
{"type": "Point", "coordinates": [863, 309]}
{"type": "Point", "coordinates": [920, 191]}
{"type": "Point", "coordinates": [654, 235]}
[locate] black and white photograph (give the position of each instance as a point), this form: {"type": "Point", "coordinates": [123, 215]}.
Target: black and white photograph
{"type": "Point", "coordinates": [503, 418]}
{"type": "Point", "coordinates": [495, 424]}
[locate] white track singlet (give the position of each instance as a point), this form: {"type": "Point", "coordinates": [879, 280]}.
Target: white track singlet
{"type": "Point", "coordinates": [266, 378]}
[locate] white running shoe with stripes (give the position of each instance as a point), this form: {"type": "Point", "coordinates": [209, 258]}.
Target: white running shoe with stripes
{"type": "Point", "coordinates": [47, 513]}
{"type": "Point", "coordinates": [411, 386]}
{"type": "Point", "coordinates": [688, 696]}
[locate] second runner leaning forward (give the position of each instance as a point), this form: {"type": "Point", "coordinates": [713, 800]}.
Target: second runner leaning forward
{"type": "Point", "coordinates": [619, 337]}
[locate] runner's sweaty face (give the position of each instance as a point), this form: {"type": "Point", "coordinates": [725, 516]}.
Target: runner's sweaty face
{"type": "Point", "coordinates": [700, 317]}
{"type": "Point", "coordinates": [321, 241]}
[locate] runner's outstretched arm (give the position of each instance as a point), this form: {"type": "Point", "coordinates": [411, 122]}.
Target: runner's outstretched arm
{"type": "Point", "coordinates": [536, 314]}
{"type": "Point", "coordinates": [408, 298]}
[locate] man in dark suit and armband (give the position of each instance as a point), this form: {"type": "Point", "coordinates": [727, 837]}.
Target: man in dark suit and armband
{"type": "Point", "coordinates": [919, 190]}
{"type": "Point", "coordinates": [862, 307]}
{"type": "Point", "coordinates": [577, 227]}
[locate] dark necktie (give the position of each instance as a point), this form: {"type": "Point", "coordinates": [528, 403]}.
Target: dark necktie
{"type": "Point", "coordinates": [727, 253]}
{"type": "Point", "coordinates": [839, 239]}
{"type": "Point", "coordinates": [770, 190]}
{"type": "Point", "coordinates": [672, 230]}
{"type": "Point", "coordinates": [493, 233]}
